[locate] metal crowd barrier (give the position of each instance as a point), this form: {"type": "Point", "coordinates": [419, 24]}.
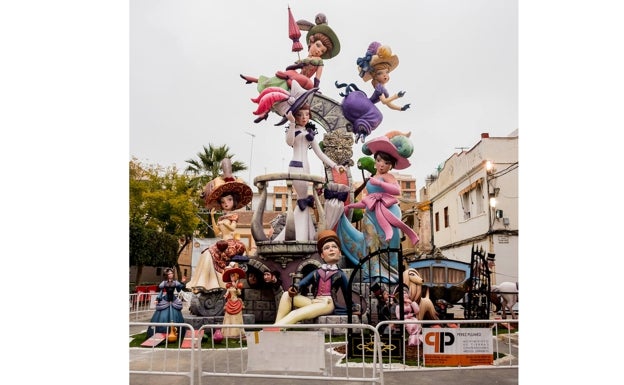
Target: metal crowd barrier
{"type": "Point", "coordinates": [141, 305]}
{"type": "Point", "coordinates": [314, 352]}
{"type": "Point", "coordinates": [165, 359]}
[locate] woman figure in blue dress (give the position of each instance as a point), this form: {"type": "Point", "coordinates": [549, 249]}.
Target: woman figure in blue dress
{"type": "Point", "coordinates": [168, 304]}
{"type": "Point", "coordinates": [382, 225]}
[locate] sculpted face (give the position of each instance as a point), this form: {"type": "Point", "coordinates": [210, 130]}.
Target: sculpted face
{"type": "Point", "coordinates": [330, 253]}
{"type": "Point", "coordinates": [227, 202]}
{"type": "Point", "coordinates": [302, 117]}
{"type": "Point", "coordinates": [317, 49]}
{"type": "Point", "coordinates": [413, 276]}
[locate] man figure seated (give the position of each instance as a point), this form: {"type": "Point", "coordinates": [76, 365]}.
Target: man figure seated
{"type": "Point", "coordinates": [326, 282]}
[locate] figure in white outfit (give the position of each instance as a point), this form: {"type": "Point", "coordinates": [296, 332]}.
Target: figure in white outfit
{"type": "Point", "coordinates": [300, 136]}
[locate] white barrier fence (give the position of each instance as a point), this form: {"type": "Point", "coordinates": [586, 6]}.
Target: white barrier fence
{"type": "Point", "coordinates": [168, 359]}
{"type": "Point", "coordinates": [142, 305]}
{"type": "Point", "coordinates": [328, 352]}
{"type": "Point", "coordinates": [315, 352]}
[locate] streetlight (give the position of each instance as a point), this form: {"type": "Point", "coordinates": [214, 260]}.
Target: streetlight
{"type": "Point", "coordinates": [250, 154]}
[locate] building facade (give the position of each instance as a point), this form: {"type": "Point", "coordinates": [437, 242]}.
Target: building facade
{"type": "Point", "coordinates": [473, 202]}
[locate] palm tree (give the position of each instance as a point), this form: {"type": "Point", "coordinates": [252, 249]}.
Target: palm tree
{"type": "Point", "coordinates": [208, 166]}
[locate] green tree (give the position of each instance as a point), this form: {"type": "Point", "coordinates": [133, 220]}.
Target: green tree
{"type": "Point", "coordinates": [151, 248]}
{"type": "Point", "coordinates": [207, 166]}
{"type": "Point", "coordinates": [162, 206]}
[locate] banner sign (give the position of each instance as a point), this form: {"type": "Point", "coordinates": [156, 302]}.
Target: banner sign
{"type": "Point", "coordinates": [458, 347]}
{"type": "Point", "coordinates": [199, 245]}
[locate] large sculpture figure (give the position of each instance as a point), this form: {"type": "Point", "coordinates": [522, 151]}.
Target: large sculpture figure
{"type": "Point", "coordinates": [168, 305]}
{"type": "Point", "coordinates": [360, 109]}
{"type": "Point", "coordinates": [229, 194]}
{"type": "Point", "coordinates": [382, 224]}
{"type": "Point", "coordinates": [326, 282]}
{"type": "Point", "coordinates": [416, 305]}
{"type": "Point", "coordinates": [300, 135]}
{"type": "Point", "coordinates": [323, 44]}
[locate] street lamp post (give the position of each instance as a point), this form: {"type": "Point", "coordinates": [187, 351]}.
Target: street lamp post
{"type": "Point", "coordinates": [250, 154]}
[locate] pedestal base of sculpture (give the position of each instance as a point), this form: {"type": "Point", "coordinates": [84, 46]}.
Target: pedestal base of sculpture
{"type": "Point", "coordinates": [336, 319]}
{"type": "Point", "coordinates": [208, 304]}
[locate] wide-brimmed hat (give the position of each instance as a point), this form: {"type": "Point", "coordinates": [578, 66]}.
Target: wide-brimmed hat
{"type": "Point", "coordinates": [325, 236]}
{"type": "Point", "coordinates": [327, 31]}
{"type": "Point", "coordinates": [227, 183]}
{"type": "Point", "coordinates": [215, 189]}
{"type": "Point", "coordinates": [230, 269]}
{"type": "Point", "coordinates": [298, 97]}
{"type": "Point", "coordinates": [400, 148]}
{"type": "Point", "coordinates": [383, 55]}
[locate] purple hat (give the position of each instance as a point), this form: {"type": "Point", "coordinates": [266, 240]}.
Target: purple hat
{"type": "Point", "coordinates": [298, 96]}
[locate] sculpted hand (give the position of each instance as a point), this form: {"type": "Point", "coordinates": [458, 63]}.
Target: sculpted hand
{"type": "Point", "coordinates": [290, 117]}
{"type": "Point", "coordinates": [340, 168]}
{"type": "Point", "coordinates": [292, 291]}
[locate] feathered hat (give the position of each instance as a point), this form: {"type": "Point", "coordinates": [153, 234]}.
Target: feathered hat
{"type": "Point", "coordinates": [376, 54]}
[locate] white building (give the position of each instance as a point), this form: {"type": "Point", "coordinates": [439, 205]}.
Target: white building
{"type": "Point", "coordinates": [473, 201]}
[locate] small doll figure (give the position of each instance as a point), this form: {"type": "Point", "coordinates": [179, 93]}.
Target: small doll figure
{"type": "Point", "coordinates": [234, 304]}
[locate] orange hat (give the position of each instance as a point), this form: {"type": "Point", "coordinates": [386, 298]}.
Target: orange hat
{"type": "Point", "coordinates": [324, 237]}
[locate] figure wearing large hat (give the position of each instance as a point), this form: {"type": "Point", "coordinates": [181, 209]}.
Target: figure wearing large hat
{"type": "Point", "coordinates": [227, 194]}
{"type": "Point", "coordinates": [323, 44]}
{"type": "Point", "coordinates": [382, 225]}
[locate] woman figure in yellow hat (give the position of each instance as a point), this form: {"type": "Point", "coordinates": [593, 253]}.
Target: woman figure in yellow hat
{"type": "Point", "coordinates": [376, 67]}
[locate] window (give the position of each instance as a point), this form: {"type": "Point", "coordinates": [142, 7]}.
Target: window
{"type": "Point", "coordinates": [185, 272]}
{"type": "Point", "coordinates": [479, 198]}
{"type": "Point", "coordinates": [471, 200]}
{"type": "Point", "coordinates": [437, 221]}
{"type": "Point", "coordinates": [279, 202]}
{"type": "Point", "coordinates": [159, 271]}
{"type": "Point", "coordinates": [465, 205]}
{"type": "Point", "coordinates": [446, 217]}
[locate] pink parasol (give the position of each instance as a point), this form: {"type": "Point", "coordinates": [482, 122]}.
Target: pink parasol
{"type": "Point", "coordinates": [294, 33]}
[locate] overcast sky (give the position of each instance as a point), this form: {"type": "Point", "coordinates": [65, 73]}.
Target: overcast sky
{"type": "Point", "coordinates": [458, 66]}
{"type": "Point", "coordinates": [64, 118]}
